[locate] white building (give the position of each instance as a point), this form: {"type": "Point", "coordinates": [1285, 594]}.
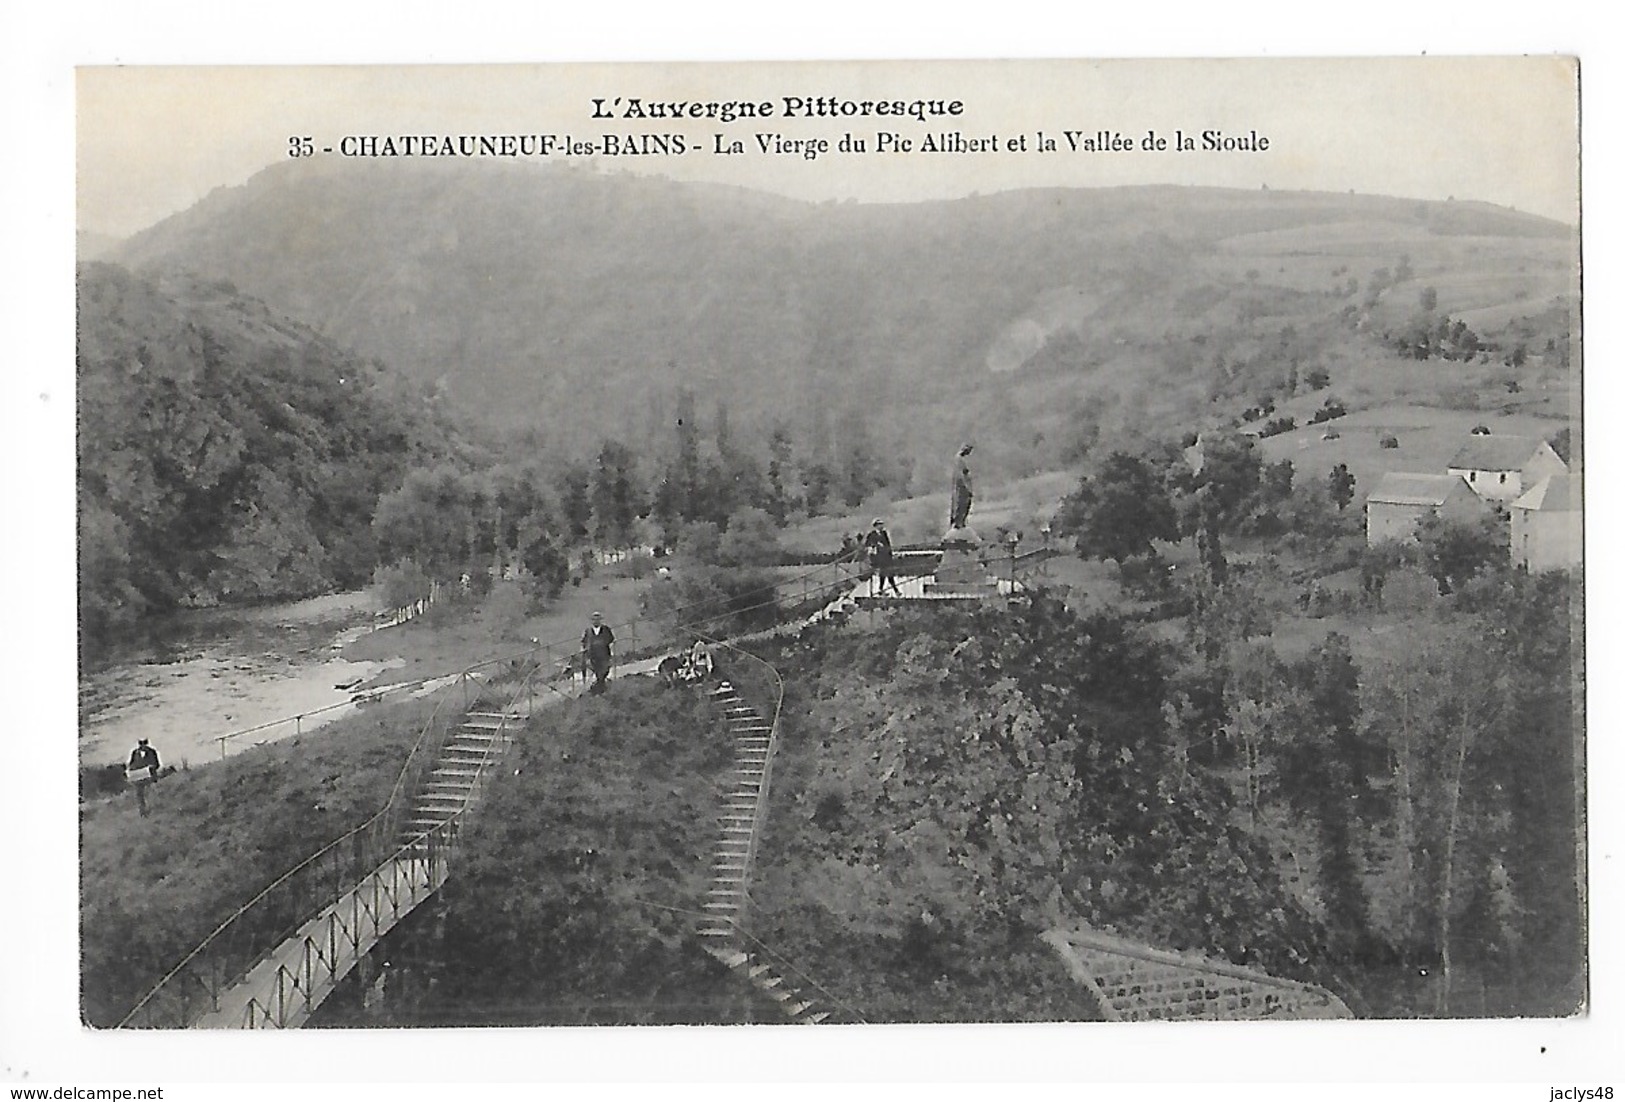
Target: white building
{"type": "Point", "coordinates": [1499, 468]}
{"type": "Point", "coordinates": [1401, 500]}
{"type": "Point", "coordinates": [1547, 530]}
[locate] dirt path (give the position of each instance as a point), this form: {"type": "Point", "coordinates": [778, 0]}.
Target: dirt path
{"type": "Point", "coordinates": [455, 635]}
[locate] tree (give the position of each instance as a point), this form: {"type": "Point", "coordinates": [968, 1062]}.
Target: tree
{"type": "Point", "coordinates": [547, 564]}
{"type": "Point", "coordinates": [430, 519]}
{"type": "Point", "coordinates": [1453, 552]}
{"type": "Point", "coordinates": [1120, 512]}
{"type": "Point", "coordinates": [1341, 486]}
{"type": "Point", "coordinates": [779, 502]}
{"type": "Point", "coordinates": [1325, 769]}
{"type": "Point", "coordinates": [615, 499]}
{"type": "Point", "coordinates": [1229, 478]}
{"type": "Point", "coordinates": [751, 539]}
{"type": "Point", "coordinates": [575, 502]}
{"type": "Point", "coordinates": [1429, 299]}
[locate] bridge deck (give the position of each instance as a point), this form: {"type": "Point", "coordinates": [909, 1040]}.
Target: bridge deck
{"type": "Point", "coordinates": [285, 987]}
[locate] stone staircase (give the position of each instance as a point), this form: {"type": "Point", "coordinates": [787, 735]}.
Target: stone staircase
{"type": "Point", "coordinates": [478, 742]}
{"type": "Point", "coordinates": [1135, 983]}
{"type": "Point", "coordinates": [728, 891]}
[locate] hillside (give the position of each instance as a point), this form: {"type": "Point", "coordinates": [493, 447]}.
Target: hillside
{"type": "Point", "coordinates": [575, 305]}
{"type": "Point", "coordinates": [226, 453]}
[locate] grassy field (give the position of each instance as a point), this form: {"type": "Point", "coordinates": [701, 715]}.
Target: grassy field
{"type": "Point", "coordinates": [452, 637]}
{"type": "Point", "coordinates": [1428, 437]}
{"type": "Point", "coordinates": [562, 911]}
{"type": "Point", "coordinates": [151, 888]}
{"type": "Point", "coordinates": [1022, 503]}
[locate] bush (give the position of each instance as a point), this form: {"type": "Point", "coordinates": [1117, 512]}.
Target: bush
{"type": "Point", "coordinates": [400, 585]}
{"type": "Point", "coordinates": [1389, 442]}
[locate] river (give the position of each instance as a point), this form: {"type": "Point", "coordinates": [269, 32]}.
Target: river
{"type": "Point", "coordinates": [214, 671]}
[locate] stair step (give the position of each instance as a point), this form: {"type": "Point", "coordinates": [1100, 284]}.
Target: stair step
{"type": "Point", "coordinates": [757, 970]}
{"type": "Point", "coordinates": [717, 931]}
{"type": "Point", "coordinates": [814, 1019]}
{"type": "Point", "coordinates": [485, 722]}
{"type": "Point", "coordinates": [720, 906]}
{"type": "Point", "coordinates": [778, 994]}
{"type": "Point", "coordinates": [723, 891]}
{"type": "Point", "coordinates": [733, 958]}
{"type": "Point", "coordinates": [796, 1009]}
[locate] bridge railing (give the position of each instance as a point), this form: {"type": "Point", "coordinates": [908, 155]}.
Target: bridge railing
{"type": "Point", "coordinates": [194, 985]}
{"type": "Point", "coordinates": [756, 677]}
{"type": "Point", "coordinates": [415, 869]}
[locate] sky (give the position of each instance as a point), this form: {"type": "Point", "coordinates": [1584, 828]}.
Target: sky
{"type": "Point", "coordinates": [153, 140]}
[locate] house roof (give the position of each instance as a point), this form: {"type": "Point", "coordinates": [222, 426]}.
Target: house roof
{"type": "Point", "coordinates": [1496, 453]}
{"type": "Point", "coordinates": [1400, 488]}
{"type": "Point", "coordinates": [1558, 493]}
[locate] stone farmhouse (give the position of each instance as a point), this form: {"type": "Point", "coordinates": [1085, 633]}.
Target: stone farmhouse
{"type": "Point", "coordinates": [1401, 500]}
{"type": "Point", "coordinates": [1546, 527]}
{"type": "Point", "coordinates": [1499, 468]}
{"type": "Point", "coordinates": [1519, 474]}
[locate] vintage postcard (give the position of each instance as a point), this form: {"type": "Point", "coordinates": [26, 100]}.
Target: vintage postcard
{"type": "Point", "coordinates": [830, 544]}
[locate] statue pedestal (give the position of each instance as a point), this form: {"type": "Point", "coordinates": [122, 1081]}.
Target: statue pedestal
{"type": "Point", "coordinates": [964, 571]}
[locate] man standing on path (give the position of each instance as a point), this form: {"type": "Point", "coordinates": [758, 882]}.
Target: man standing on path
{"type": "Point", "coordinates": [597, 644]}
{"type": "Point", "coordinates": [878, 545]}
{"type": "Point", "coordinates": [143, 757]}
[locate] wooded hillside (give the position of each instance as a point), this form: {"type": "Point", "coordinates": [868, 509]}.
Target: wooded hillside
{"type": "Point", "coordinates": [226, 453]}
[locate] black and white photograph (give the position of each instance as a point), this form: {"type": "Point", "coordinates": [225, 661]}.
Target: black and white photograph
{"type": "Point", "coordinates": [840, 544]}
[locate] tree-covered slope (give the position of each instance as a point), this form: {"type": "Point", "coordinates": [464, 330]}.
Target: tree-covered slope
{"type": "Point", "coordinates": [577, 303]}
{"type": "Point", "coordinates": [226, 453]}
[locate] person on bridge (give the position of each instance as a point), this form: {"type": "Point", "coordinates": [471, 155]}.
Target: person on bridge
{"type": "Point", "coordinates": [597, 645]}
{"type": "Point", "coordinates": [143, 757]}
{"type": "Point", "coordinates": [878, 546]}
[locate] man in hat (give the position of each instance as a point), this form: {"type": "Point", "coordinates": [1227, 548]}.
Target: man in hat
{"type": "Point", "coordinates": [877, 544]}
{"type": "Point", "coordinates": [597, 645]}
{"type": "Point", "coordinates": [143, 757]}
{"type": "Point", "coordinates": [960, 495]}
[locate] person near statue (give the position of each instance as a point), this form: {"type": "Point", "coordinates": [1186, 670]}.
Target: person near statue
{"type": "Point", "coordinates": [960, 496]}
{"type": "Point", "coordinates": [597, 645]}
{"type": "Point", "coordinates": [877, 546]}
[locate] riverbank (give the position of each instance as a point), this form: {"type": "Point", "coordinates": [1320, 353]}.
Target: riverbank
{"type": "Point", "coordinates": [455, 634]}
{"type": "Point", "coordinates": [217, 670]}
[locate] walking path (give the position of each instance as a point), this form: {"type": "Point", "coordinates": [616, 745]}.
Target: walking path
{"type": "Point", "coordinates": [1129, 981]}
